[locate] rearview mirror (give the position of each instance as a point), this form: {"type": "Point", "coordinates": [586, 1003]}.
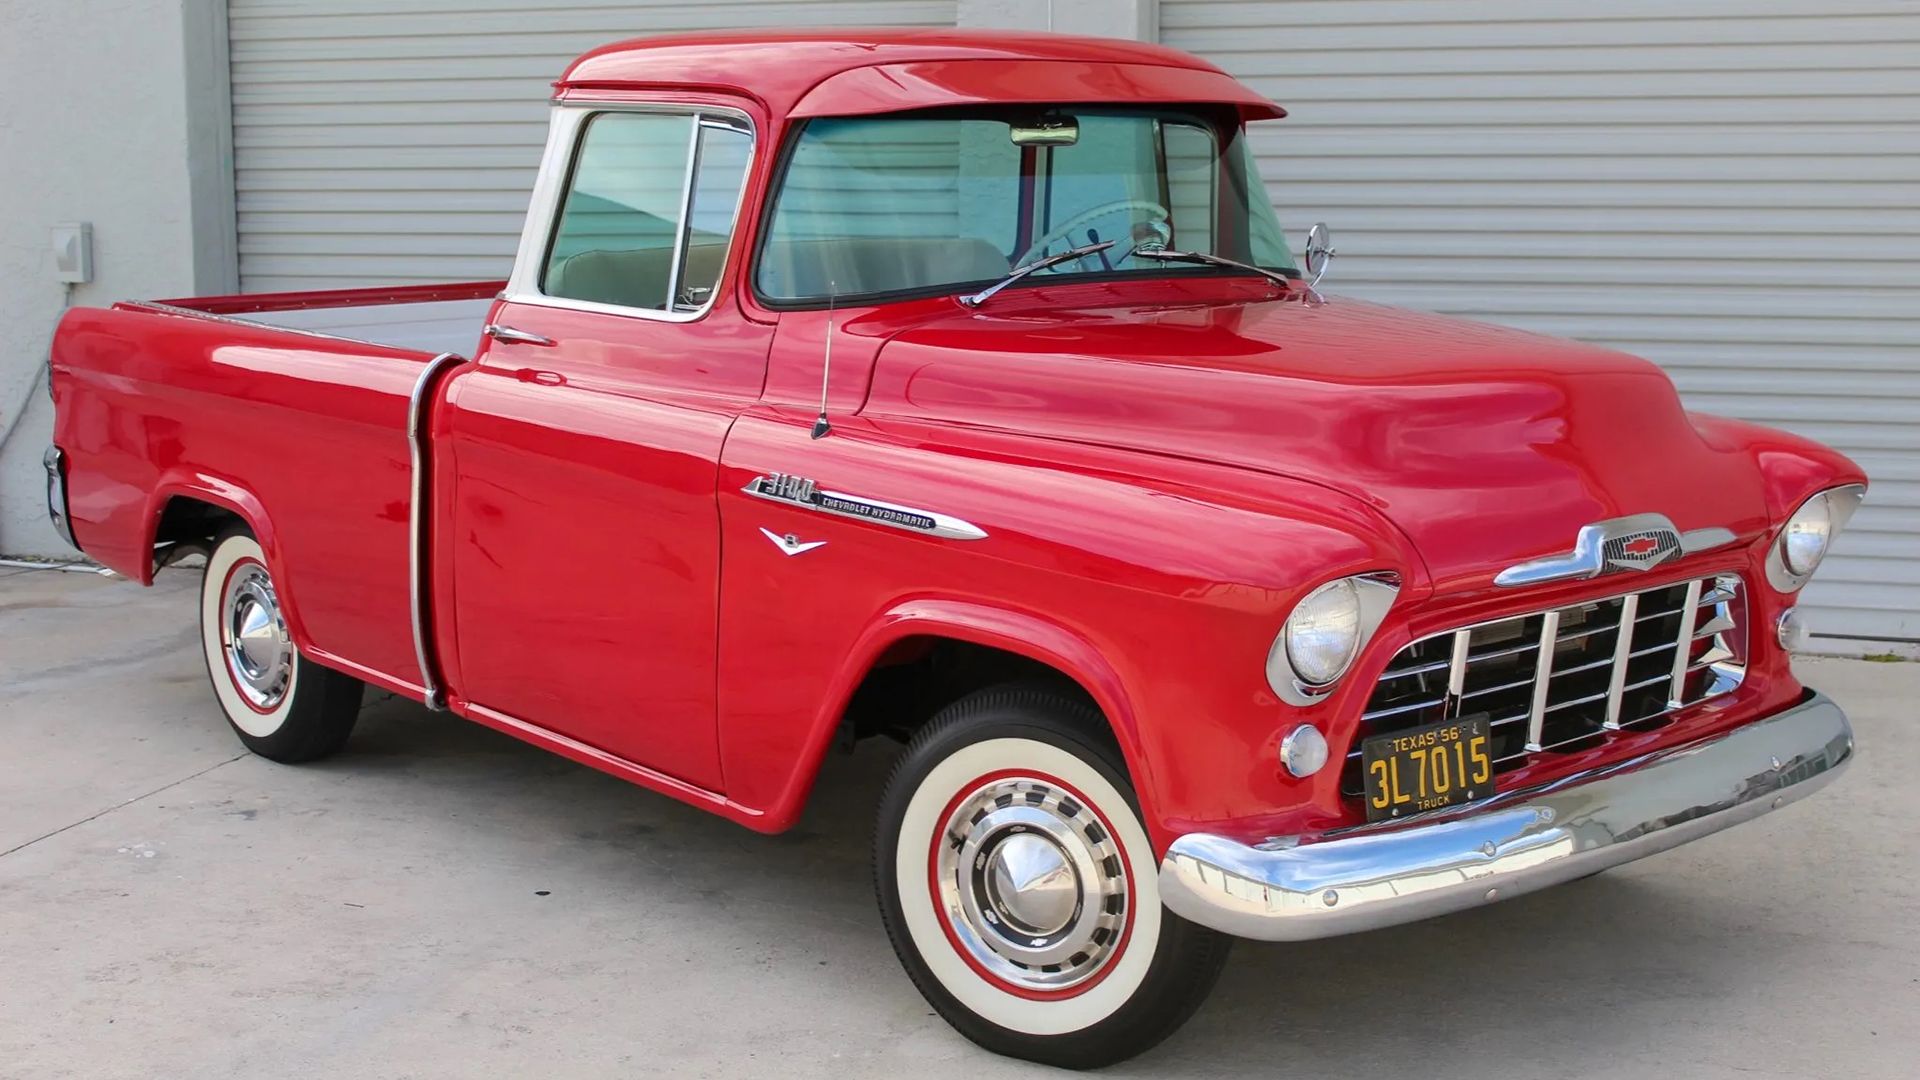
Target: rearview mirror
{"type": "Point", "coordinates": [1047, 131]}
{"type": "Point", "coordinates": [1319, 252]}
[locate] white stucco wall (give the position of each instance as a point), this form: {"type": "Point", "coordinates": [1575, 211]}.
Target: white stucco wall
{"type": "Point", "coordinates": [112, 112]}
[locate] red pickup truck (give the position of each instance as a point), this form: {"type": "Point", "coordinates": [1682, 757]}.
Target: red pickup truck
{"type": "Point", "coordinates": [961, 388]}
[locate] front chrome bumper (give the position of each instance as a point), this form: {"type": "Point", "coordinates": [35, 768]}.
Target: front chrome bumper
{"type": "Point", "coordinates": [1514, 843]}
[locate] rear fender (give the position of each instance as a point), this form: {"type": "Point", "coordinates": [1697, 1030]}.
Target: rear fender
{"type": "Point", "coordinates": [222, 492]}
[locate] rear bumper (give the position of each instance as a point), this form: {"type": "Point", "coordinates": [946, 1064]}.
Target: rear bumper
{"type": "Point", "coordinates": [1512, 844]}
{"type": "Point", "coordinates": [55, 461]}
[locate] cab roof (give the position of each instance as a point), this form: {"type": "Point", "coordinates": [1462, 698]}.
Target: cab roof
{"type": "Point", "coordinates": [861, 72]}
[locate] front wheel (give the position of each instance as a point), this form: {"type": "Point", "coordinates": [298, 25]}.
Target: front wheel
{"type": "Point", "coordinates": [1020, 891]}
{"type": "Point", "coordinates": [281, 705]}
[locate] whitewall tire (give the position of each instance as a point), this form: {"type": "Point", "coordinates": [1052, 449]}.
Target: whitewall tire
{"type": "Point", "coordinates": [1020, 889]}
{"type": "Point", "coordinates": [280, 704]}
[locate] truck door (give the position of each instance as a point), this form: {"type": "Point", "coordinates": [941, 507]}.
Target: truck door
{"type": "Point", "coordinates": [582, 533]}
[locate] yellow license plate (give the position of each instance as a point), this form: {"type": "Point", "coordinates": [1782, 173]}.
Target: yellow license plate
{"type": "Point", "coordinates": [1426, 768]}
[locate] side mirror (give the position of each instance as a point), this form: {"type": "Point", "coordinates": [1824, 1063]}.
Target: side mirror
{"type": "Point", "coordinates": [1319, 252]}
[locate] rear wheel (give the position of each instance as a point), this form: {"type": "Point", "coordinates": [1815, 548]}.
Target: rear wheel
{"type": "Point", "coordinates": [281, 705]}
{"type": "Point", "coordinates": [1020, 891]}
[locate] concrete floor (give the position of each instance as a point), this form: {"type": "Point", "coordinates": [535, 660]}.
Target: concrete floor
{"type": "Point", "coordinates": [441, 900]}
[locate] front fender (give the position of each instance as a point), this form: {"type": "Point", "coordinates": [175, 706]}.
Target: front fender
{"type": "Point", "coordinates": [1023, 633]}
{"type": "Point", "coordinates": [1157, 584]}
{"type": "Point", "coordinates": [1791, 467]}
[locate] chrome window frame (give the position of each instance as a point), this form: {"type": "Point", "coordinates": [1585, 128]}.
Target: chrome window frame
{"type": "Point", "coordinates": [565, 133]}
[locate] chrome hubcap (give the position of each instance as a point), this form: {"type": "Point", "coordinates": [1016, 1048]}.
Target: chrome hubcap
{"type": "Point", "coordinates": [253, 638]}
{"type": "Point", "coordinates": [1031, 884]}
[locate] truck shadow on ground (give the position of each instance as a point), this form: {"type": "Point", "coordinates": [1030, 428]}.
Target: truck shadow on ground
{"type": "Point", "coordinates": [1450, 996]}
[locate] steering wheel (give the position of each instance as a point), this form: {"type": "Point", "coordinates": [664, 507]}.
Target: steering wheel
{"type": "Point", "coordinates": [1060, 232]}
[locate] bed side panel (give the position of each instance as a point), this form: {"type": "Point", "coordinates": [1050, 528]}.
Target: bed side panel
{"type": "Point", "coordinates": [304, 434]}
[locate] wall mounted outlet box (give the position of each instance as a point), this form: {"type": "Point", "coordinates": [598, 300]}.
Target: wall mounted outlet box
{"type": "Point", "coordinates": [73, 252]}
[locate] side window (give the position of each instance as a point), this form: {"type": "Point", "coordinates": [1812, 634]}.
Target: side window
{"type": "Point", "coordinates": [635, 225]}
{"type": "Point", "coordinates": [718, 175]}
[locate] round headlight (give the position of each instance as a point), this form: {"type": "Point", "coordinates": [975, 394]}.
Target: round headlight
{"type": "Point", "coordinates": [1323, 632]}
{"type": "Point", "coordinates": [1803, 543]}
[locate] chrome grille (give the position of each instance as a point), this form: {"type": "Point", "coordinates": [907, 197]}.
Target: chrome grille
{"type": "Point", "coordinates": [1564, 680]}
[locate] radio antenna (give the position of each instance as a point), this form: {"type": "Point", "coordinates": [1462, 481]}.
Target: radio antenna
{"type": "Point", "coordinates": [820, 424]}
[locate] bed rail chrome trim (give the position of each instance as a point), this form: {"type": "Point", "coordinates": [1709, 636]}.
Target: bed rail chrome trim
{"type": "Point", "coordinates": [417, 519]}
{"type": "Point", "coordinates": [1513, 843]}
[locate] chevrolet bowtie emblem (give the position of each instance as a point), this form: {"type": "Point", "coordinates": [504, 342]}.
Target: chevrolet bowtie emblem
{"type": "Point", "coordinates": [1635, 542]}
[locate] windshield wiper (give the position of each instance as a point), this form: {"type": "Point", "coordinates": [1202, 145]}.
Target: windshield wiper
{"type": "Point", "coordinates": [1070, 254]}
{"type": "Point", "coordinates": [1212, 260]}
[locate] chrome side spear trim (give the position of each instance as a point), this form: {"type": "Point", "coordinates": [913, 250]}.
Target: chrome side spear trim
{"type": "Point", "coordinates": [802, 492]}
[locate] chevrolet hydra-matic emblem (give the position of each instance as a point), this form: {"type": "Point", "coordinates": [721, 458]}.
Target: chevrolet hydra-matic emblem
{"type": "Point", "coordinates": [802, 492]}
{"type": "Point", "coordinates": [1635, 542]}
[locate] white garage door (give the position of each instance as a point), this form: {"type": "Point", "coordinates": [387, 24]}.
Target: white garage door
{"type": "Point", "coordinates": [1728, 187]}
{"type": "Point", "coordinates": [387, 141]}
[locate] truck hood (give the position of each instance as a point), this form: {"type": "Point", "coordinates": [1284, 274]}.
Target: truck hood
{"type": "Point", "coordinates": [1486, 446]}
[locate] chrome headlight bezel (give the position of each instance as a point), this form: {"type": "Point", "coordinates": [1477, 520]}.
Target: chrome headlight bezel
{"type": "Point", "coordinates": [1372, 596]}
{"type": "Point", "coordinates": [1821, 515]}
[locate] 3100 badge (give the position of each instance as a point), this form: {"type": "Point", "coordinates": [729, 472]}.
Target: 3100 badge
{"type": "Point", "coordinates": [1427, 768]}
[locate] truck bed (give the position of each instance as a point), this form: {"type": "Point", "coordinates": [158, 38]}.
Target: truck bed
{"type": "Point", "coordinates": [286, 410]}
{"type": "Point", "coordinates": [432, 319]}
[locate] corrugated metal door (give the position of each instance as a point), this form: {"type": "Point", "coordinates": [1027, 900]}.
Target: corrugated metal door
{"type": "Point", "coordinates": [386, 141]}
{"type": "Point", "coordinates": [1728, 187]}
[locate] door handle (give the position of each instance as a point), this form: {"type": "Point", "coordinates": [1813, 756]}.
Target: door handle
{"type": "Point", "coordinates": [544, 378]}
{"type": "Point", "coordinates": [507, 335]}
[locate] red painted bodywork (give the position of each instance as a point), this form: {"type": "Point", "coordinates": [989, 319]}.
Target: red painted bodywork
{"type": "Point", "coordinates": [1163, 467]}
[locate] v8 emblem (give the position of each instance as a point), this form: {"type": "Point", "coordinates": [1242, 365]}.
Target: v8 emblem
{"type": "Point", "coordinates": [790, 544]}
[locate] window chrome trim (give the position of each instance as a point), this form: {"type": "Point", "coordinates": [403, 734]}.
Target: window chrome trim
{"type": "Point", "coordinates": [681, 228]}
{"type": "Point", "coordinates": [1842, 501]}
{"type": "Point", "coordinates": [566, 129]}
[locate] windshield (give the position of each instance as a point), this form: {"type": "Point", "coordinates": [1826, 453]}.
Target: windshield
{"type": "Point", "coordinates": [887, 206]}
